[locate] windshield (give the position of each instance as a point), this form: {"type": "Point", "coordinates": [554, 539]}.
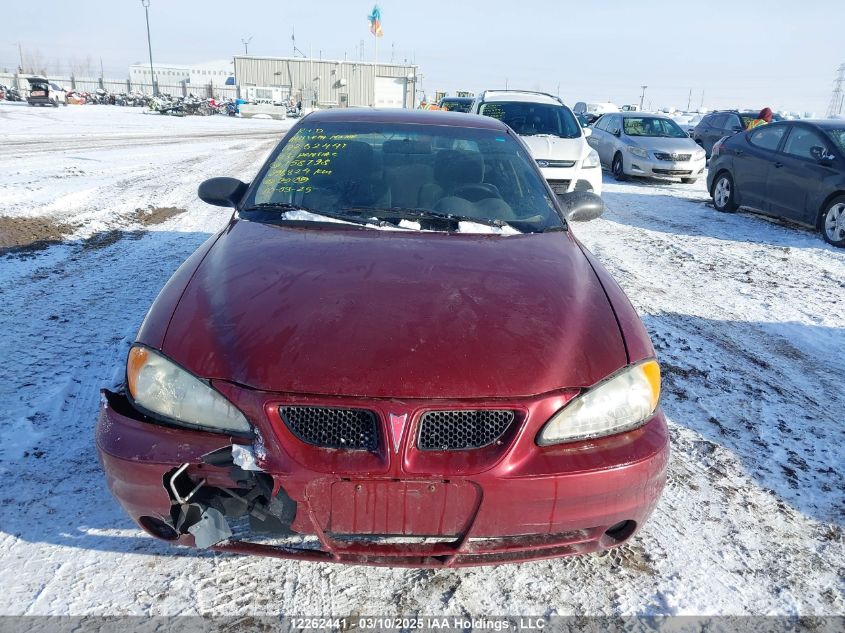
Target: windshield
{"type": "Point", "coordinates": [531, 119]}
{"type": "Point", "coordinates": [653, 126]}
{"type": "Point", "coordinates": [456, 105]}
{"type": "Point", "coordinates": [400, 172]}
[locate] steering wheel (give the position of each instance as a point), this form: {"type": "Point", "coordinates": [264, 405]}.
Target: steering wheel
{"type": "Point", "coordinates": [476, 191]}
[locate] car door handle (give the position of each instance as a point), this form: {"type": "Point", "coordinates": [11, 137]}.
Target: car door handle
{"type": "Point", "coordinates": [778, 165]}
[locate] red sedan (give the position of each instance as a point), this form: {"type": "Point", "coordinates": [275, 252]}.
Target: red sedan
{"type": "Point", "coordinates": [395, 353]}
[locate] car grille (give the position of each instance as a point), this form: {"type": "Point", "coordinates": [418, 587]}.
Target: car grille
{"type": "Point", "coordinates": [672, 172]}
{"type": "Point", "coordinates": [678, 158]}
{"type": "Point", "coordinates": [326, 427]}
{"type": "Point", "coordinates": [559, 186]}
{"type": "Point", "coordinates": [462, 430]}
{"type": "Point", "coordinates": [545, 162]}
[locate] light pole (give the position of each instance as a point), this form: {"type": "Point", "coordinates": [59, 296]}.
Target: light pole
{"type": "Point", "coordinates": [146, 4]}
{"type": "Point", "coordinates": [642, 96]}
{"type": "Point", "coordinates": [246, 44]}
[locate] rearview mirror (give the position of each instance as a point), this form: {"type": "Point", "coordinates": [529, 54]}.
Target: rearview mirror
{"type": "Point", "coordinates": [222, 192]}
{"type": "Point", "coordinates": [581, 206]}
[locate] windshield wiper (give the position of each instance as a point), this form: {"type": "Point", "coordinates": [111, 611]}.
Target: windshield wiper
{"type": "Point", "coordinates": [286, 206]}
{"type": "Point", "coordinates": [411, 213]}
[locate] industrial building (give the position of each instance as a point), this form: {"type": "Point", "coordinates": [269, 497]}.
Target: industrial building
{"type": "Point", "coordinates": [216, 73]}
{"type": "Point", "coordinates": [330, 83]}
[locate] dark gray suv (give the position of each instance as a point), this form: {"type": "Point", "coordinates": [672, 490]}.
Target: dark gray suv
{"type": "Point", "coordinates": [722, 123]}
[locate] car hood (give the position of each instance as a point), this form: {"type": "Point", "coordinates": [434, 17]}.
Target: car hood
{"type": "Point", "coordinates": [395, 314]}
{"type": "Point", "coordinates": [677, 145]}
{"type": "Point", "coordinates": [554, 147]}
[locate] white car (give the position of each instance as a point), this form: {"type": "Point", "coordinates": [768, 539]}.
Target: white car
{"type": "Point", "coordinates": [557, 141]}
{"type": "Point", "coordinates": [44, 92]}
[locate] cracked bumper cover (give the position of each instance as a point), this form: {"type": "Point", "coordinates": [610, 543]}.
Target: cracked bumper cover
{"type": "Point", "coordinates": [519, 509]}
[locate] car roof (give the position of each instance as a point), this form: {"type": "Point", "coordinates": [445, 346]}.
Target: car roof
{"type": "Point", "coordinates": [640, 115]}
{"type": "Point", "coordinates": [402, 115]}
{"type": "Point", "coordinates": [822, 123]}
{"type": "Point", "coordinates": [519, 95]}
{"type": "Point", "coordinates": [458, 99]}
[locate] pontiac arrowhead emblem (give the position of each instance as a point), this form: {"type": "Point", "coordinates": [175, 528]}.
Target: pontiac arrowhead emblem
{"type": "Point", "coordinates": [397, 426]}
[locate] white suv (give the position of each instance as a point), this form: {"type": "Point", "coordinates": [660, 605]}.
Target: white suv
{"type": "Point", "coordinates": [557, 141]}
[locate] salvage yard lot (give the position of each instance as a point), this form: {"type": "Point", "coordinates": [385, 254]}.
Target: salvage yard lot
{"type": "Point", "coordinates": [747, 315]}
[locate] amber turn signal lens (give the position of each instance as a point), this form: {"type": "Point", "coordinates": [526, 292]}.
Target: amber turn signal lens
{"type": "Point", "coordinates": [652, 372]}
{"type": "Point", "coordinates": [137, 359]}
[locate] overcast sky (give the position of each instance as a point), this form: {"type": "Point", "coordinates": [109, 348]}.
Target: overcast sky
{"type": "Point", "coordinates": [747, 54]}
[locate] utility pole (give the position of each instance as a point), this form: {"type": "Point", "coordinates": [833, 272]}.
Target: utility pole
{"type": "Point", "coordinates": [20, 56]}
{"type": "Point", "coordinates": [642, 96]}
{"type": "Point", "coordinates": [837, 97]}
{"type": "Point", "coordinates": [246, 42]}
{"type": "Point", "coordinates": [689, 100]}
{"type": "Point", "coordinates": [146, 4]}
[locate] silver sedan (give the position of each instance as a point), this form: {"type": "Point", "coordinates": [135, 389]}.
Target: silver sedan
{"type": "Point", "coordinates": [652, 145]}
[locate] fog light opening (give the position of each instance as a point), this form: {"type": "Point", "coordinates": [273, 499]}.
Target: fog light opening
{"type": "Point", "coordinates": [619, 532]}
{"type": "Point", "coordinates": [158, 528]}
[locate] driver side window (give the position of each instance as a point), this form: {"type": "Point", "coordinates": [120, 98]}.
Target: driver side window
{"type": "Point", "coordinates": [804, 143]}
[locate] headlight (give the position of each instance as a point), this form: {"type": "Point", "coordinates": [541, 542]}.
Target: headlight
{"type": "Point", "coordinates": [163, 388]}
{"type": "Point", "coordinates": [638, 151]}
{"type": "Point", "coordinates": [621, 403]}
{"type": "Point", "coordinates": [700, 154]}
{"type": "Point", "coordinates": [592, 159]}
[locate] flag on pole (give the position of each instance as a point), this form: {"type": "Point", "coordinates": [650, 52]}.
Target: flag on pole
{"type": "Point", "coordinates": [375, 22]}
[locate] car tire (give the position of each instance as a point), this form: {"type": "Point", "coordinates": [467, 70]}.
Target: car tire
{"type": "Point", "coordinates": [617, 168]}
{"type": "Point", "coordinates": [688, 181]}
{"type": "Point", "coordinates": [723, 193]}
{"type": "Point", "coordinates": [832, 222]}
{"type": "Point", "coordinates": [55, 103]}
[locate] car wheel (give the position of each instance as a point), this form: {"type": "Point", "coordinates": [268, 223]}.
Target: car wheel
{"type": "Point", "coordinates": [618, 168]}
{"type": "Point", "coordinates": [688, 181]}
{"type": "Point", "coordinates": [55, 103]}
{"type": "Point", "coordinates": [833, 222]}
{"type": "Point", "coordinates": [723, 193]}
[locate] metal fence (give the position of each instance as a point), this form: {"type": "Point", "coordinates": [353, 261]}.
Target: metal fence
{"type": "Point", "coordinates": [91, 84]}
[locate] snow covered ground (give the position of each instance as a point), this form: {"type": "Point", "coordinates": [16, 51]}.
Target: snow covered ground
{"type": "Point", "coordinates": [748, 317]}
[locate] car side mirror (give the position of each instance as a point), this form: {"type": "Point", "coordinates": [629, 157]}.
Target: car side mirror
{"type": "Point", "coordinates": [736, 128]}
{"type": "Point", "coordinates": [581, 206]}
{"type": "Point", "coordinates": [617, 133]}
{"type": "Point", "coordinates": [587, 132]}
{"type": "Point", "coordinates": [222, 192]}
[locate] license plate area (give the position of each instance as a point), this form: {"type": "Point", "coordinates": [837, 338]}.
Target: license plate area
{"type": "Point", "coordinates": [402, 508]}
{"type": "Point", "coordinates": [37, 93]}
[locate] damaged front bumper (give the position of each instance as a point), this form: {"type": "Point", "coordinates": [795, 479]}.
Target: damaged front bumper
{"type": "Point", "coordinates": [208, 490]}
